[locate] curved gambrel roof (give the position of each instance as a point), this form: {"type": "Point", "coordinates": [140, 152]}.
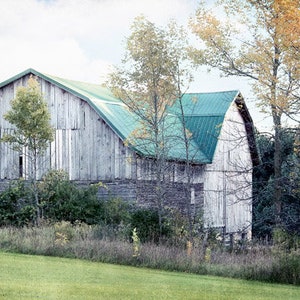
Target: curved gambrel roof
{"type": "Point", "coordinates": [203, 112]}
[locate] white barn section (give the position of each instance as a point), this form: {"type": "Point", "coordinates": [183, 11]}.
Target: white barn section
{"type": "Point", "coordinates": [228, 179]}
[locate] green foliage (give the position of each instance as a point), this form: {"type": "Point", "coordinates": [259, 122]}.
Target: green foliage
{"type": "Point", "coordinates": [62, 200]}
{"type": "Point", "coordinates": [116, 211]}
{"type": "Point", "coordinates": [29, 113]}
{"type": "Point", "coordinates": [178, 225]}
{"type": "Point", "coordinates": [153, 74]}
{"type": "Point", "coordinates": [32, 134]}
{"type": "Point", "coordinates": [287, 269]}
{"type": "Point", "coordinates": [146, 222]}
{"type": "Point", "coordinates": [264, 184]}
{"type": "Point", "coordinates": [285, 241]}
{"type": "Point", "coordinates": [16, 205]}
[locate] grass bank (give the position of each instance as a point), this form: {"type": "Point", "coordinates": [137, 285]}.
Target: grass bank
{"type": "Point", "coordinates": [32, 277]}
{"type": "Point", "coordinates": [90, 243]}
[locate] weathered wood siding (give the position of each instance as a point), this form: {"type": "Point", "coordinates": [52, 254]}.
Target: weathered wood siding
{"type": "Point", "coordinates": [175, 176]}
{"type": "Point", "coordinates": [84, 145]}
{"type": "Point", "coordinates": [89, 150]}
{"type": "Point", "coordinates": [173, 171]}
{"type": "Point", "coordinates": [9, 159]}
{"type": "Point", "coordinates": [228, 180]}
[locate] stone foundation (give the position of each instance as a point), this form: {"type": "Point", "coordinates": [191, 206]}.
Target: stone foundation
{"type": "Point", "coordinates": [143, 193]}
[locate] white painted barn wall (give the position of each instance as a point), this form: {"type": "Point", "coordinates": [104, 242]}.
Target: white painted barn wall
{"type": "Point", "coordinates": [227, 182]}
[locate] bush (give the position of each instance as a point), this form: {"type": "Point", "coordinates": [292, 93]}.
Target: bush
{"type": "Point", "coordinates": [283, 240]}
{"type": "Point", "coordinates": [116, 211]}
{"type": "Point", "coordinates": [16, 206]}
{"type": "Point", "coordinates": [286, 269]}
{"type": "Point", "coordinates": [283, 268]}
{"type": "Point", "coordinates": [62, 200]}
{"type": "Point", "coordinates": [146, 222]}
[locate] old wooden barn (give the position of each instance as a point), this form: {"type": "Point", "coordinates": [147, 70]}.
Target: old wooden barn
{"type": "Point", "coordinates": [91, 127]}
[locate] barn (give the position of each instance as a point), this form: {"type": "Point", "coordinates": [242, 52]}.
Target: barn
{"type": "Point", "coordinates": [91, 130]}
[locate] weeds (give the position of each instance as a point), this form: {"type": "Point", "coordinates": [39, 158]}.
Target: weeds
{"type": "Point", "coordinates": [90, 242]}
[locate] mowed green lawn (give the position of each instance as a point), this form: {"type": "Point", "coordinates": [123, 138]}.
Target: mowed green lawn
{"type": "Point", "coordinates": [40, 277]}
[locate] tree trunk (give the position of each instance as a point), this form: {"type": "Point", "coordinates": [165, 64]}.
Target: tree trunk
{"type": "Point", "coordinates": [278, 172]}
{"type": "Point", "coordinates": [35, 188]}
{"type": "Point", "coordinates": [188, 174]}
{"type": "Point", "coordinates": [276, 114]}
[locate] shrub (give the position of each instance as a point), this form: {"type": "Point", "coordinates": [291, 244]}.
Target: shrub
{"type": "Point", "coordinates": [62, 200]}
{"type": "Point", "coordinates": [284, 240]}
{"type": "Point", "coordinates": [116, 211]}
{"type": "Point", "coordinates": [147, 225]}
{"type": "Point", "coordinates": [16, 206]}
{"type": "Point", "coordinates": [64, 232]}
{"type": "Point", "coordinates": [286, 269]}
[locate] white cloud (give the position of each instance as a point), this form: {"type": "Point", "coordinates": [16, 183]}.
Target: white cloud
{"type": "Point", "coordinates": [80, 39]}
{"type": "Point", "coordinates": [74, 37]}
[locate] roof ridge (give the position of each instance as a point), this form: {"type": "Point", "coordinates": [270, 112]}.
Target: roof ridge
{"type": "Point", "coordinates": [204, 115]}
{"type": "Point", "coordinates": [217, 92]}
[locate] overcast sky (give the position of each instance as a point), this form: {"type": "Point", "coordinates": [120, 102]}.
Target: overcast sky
{"type": "Point", "coordinates": [82, 39]}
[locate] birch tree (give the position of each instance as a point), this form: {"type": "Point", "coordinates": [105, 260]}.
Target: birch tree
{"type": "Point", "coordinates": [258, 40]}
{"type": "Point", "coordinates": [151, 77]}
{"type": "Point", "coordinates": [33, 132]}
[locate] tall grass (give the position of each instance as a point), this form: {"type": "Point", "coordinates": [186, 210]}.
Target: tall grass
{"type": "Point", "coordinates": [103, 244]}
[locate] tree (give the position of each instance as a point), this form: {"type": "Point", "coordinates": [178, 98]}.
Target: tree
{"type": "Point", "coordinates": [33, 132]}
{"type": "Point", "coordinates": [263, 184]}
{"type": "Point", "coordinates": [266, 52]}
{"type": "Point", "coordinates": [150, 79]}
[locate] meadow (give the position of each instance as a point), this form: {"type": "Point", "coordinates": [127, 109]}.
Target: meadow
{"type": "Point", "coordinates": [256, 263]}
{"type": "Point", "coordinates": [41, 277]}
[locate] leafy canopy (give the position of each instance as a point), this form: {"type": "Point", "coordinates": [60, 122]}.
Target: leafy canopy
{"type": "Point", "coordinates": [31, 118]}
{"type": "Point", "coordinates": [259, 40]}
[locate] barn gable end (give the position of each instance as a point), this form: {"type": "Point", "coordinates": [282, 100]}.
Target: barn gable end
{"type": "Point", "coordinates": [82, 138]}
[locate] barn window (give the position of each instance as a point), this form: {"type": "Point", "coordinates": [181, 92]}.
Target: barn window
{"type": "Point", "coordinates": [20, 165]}
{"type": "Point", "coordinates": [181, 170]}
{"type": "Point", "coordinates": [229, 155]}
{"type": "Point", "coordinates": [192, 195]}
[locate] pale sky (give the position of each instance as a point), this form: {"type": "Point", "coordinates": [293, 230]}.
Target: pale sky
{"type": "Point", "coordinates": [83, 39]}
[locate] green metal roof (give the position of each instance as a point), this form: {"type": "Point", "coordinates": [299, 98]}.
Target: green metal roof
{"type": "Point", "coordinates": [204, 114]}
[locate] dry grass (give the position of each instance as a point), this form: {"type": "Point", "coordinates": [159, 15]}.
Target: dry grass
{"type": "Point", "coordinates": [82, 241]}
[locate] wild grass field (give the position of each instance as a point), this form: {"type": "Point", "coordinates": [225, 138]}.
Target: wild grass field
{"type": "Point", "coordinates": [256, 263]}
{"type": "Point", "coordinates": [41, 277]}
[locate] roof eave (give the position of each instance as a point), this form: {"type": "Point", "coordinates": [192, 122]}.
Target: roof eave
{"type": "Point", "coordinates": [249, 127]}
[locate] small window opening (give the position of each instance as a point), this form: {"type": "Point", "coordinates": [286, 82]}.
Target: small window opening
{"type": "Point", "coordinates": [244, 236]}
{"type": "Point", "coordinates": [192, 195]}
{"type": "Point", "coordinates": [21, 165]}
